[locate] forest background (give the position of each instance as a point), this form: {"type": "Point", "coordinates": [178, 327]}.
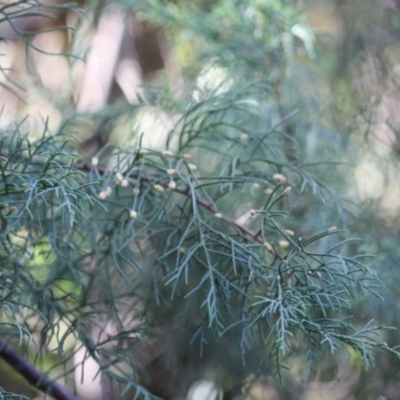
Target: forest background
{"type": "Point", "coordinates": [322, 76]}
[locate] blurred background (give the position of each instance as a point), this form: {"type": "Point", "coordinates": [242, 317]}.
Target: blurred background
{"type": "Point", "coordinates": [119, 72]}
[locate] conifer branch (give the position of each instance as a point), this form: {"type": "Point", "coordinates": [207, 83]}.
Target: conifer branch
{"type": "Point", "coordinates": [86, 167]}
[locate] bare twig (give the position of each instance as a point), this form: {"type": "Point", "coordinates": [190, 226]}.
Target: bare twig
{"type": "Point", "coordinates": [35, 377]}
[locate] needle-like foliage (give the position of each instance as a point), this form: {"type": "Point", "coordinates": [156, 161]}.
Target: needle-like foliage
{"type": "Point", "coordinates": [179, 230]}
{"type": "Point", "coordinates": [221, 242]}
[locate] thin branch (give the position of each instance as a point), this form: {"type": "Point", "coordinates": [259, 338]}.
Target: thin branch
{"type": "Point", "coordinates": [34, 376]}
{"type": "Point", "coordinates": [82, 166]}
{"type": "Point", "coordinates": [254, 235]}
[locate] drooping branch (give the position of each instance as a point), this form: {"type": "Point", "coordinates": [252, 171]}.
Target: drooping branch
{"type": "Point", "coordinates": [82, 166]}
{"type": "Point", "coordinates": [34, 376]}
{"type": "Point", "coordinates": [201, 202]}
{"type": "Point", "coordinates": [16, 360]}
